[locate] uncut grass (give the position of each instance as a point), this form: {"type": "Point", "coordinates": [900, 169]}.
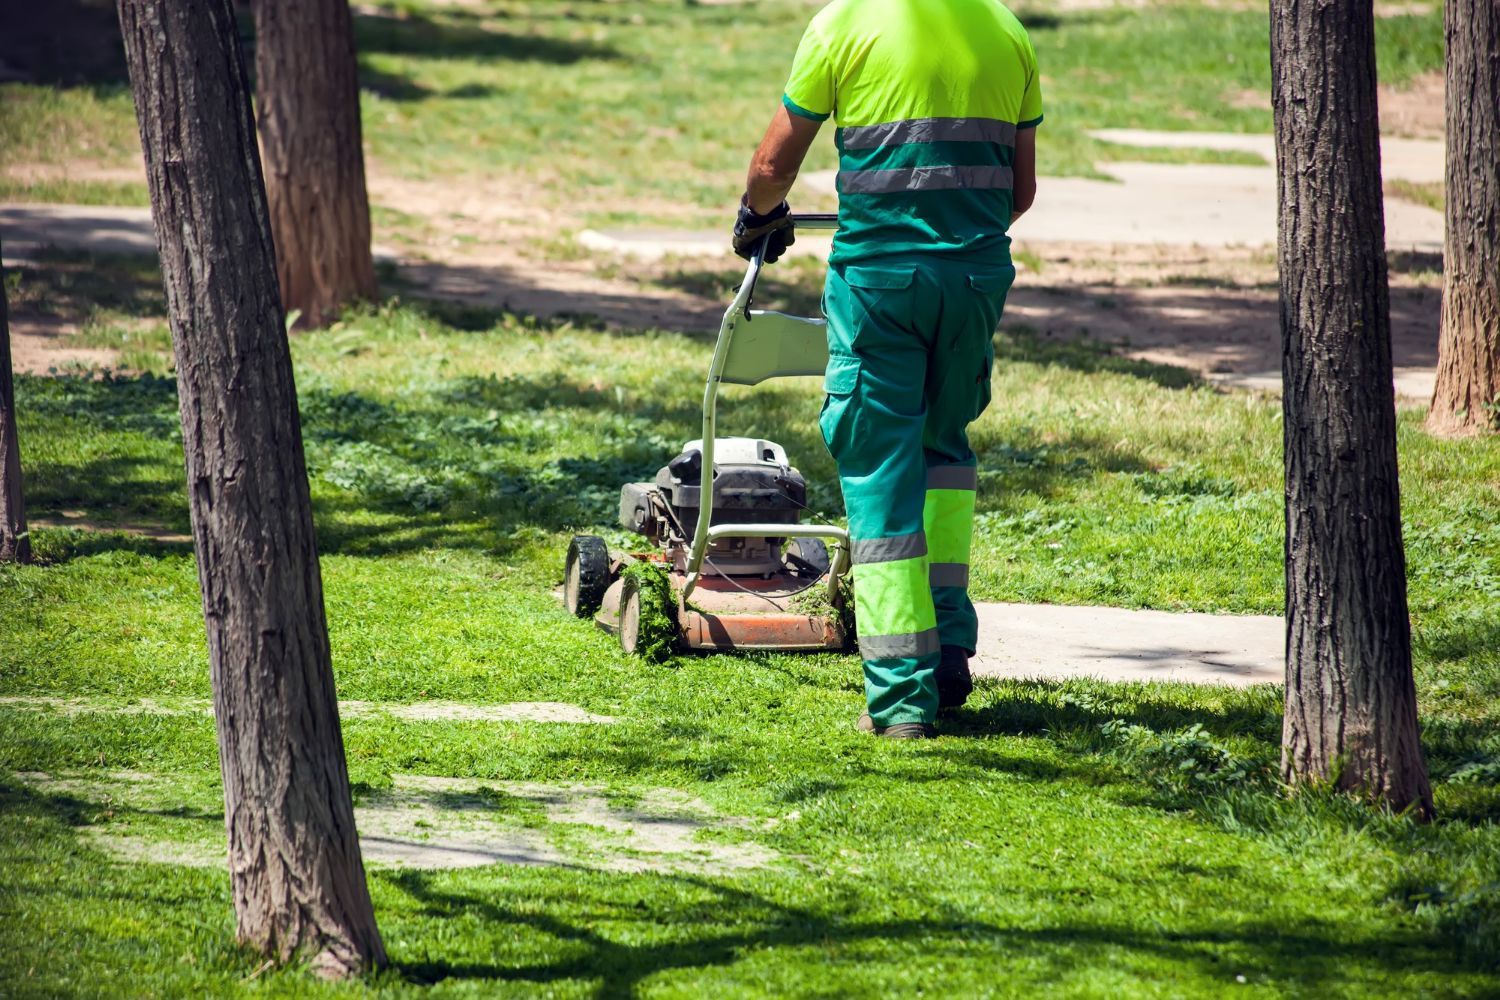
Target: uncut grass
{"type": "Point", "coordinates": [452, 452]}
{"type": "Point", "coordinates": [647, 110]}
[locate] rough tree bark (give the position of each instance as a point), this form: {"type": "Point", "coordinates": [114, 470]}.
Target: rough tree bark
{"type": "Point", "coordinates": [1350, 701]}
{"type": "Point", "coordinates": [295, 868]}
{"type": "Point", "coordinates": [307, 86]}
{"type": "Point", "coordinates": [1468, 375]}
{"type": "Point", "coordinates": [15, 544]}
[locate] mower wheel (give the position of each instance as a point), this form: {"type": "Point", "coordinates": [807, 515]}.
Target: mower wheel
{"type": "Point", "coordinates": [644, 631]}
{"type": "Point", "coordinates": [586, 576]}
{"type": "Point", "coordinates": [808, 556]}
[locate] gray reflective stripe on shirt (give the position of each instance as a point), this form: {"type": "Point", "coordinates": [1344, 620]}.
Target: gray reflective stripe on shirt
{"type": "Point", "coordinates": [913, 644]}
{"type": "Point", "coordinates": [948, 575]}
{"type": "Point", "coordinates": [928, 130]}
{"type": "Point", "coordinates": [924, 179]}
{"type": "Point", "coordinates": [953, 477]}
{"type": "Point", "coordinates": [879, 550]}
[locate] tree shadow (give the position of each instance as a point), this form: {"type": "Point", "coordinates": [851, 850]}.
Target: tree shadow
{"type": "Point", "coordinates": [447, 37]}
{"type": "Point", "coordinates": [1042, 708]}
{"type": "Point", "coordinates": [398, 87]}
{"type": "Point", "coordinates": [1017, 342]}
{"type": "Point", "coordinates": [775, 289]}
{"type": "Point", "coordinates": [729, 920]}
{"type": "Point", "coordinates": [74, 284]}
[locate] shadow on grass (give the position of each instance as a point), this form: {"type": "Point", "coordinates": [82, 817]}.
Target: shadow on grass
{"type": "Point", "coordinates": [415, 34]}
{"type": "Point", "coordinates": [798, 294]}
{"type": "Point", "coordinates": [460, 465]}
{"type": "Point", "coordinates": [1020, 343]}
{"type": "Point", "coordinates": [1040, 708]}
{"type": "Point", "coordinates": [620, 931]}
{"type": "Point", "coordinates": [728, 921]}
{"type": "Point", "coordinates": [397, 87]}
{"type": "Point", "coordinates": [73, 284]}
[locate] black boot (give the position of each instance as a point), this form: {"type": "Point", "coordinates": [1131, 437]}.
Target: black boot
{"type": "Point", "coordinates": [953, 681]}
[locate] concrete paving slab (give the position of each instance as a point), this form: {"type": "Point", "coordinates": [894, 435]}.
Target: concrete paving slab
{"type": "Point", "coordinates": [1199, 204]}
{"type": "Point", "coordinates": [1059, 642]}
{"type": "Point", "coordinates": [654, 244]}
{"type": "Point", "coordinates": [1417, 160]}
{"type": "Point", "coordinates": [27, 228]}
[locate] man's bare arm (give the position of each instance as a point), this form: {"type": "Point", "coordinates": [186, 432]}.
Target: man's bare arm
{"type": "Point", "coordinates": [774, 166]}
{"type": "Point", "coordinates": [1023, 173]}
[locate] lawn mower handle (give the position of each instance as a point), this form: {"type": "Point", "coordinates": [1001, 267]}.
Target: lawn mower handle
{"type": "Point", "coordinates": [811, 221]}
{"type": "Point", "coordinates": [737, 311]}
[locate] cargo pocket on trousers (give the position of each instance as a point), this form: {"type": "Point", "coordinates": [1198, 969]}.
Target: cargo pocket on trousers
{"type": "Point", "coordinates": [992, 288]}
{"type": "Point", "coordinates": [840, 383]}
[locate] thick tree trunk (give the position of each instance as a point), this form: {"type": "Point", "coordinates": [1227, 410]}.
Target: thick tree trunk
{"type": "Point", "coordinates": [295, 868]}
{"type": "Point", "coordinates": [1350, 702]}
{"type": "Point", "coordinates": [1467, 396]}
{"type": "Point", "coordinates": [15, 544]}
{"type": "Point", "coordinates": [307, 86]}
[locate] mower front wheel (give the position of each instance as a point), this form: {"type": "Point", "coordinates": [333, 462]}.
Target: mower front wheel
{"type": "Point", "coordinates": [586, 575]}
{"type": "Point", "coordinates": [648, 626]}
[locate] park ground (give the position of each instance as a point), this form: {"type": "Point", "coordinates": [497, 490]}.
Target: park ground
{"type": "Point", "coordinates": [543, 815]}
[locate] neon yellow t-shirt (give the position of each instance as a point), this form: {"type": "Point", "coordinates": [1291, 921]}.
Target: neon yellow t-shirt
{"type": "Point", "coordinates": [927, 96]}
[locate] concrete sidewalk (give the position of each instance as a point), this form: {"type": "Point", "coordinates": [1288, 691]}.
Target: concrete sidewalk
{"type": "Point", "coordinates": [1058, 642]}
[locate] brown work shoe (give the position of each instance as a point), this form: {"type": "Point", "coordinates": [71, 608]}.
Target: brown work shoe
{"type": "Point", "coordinates": [897, 731]}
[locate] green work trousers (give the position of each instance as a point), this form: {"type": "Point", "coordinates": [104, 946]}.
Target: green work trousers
{"type": "Point", "coordinates": [910, 345]}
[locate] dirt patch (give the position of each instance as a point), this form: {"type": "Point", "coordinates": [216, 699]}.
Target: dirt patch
{"type": "Point", "coordinates": [41, 345]}
{"type": "Point", "coordinates": [491, 242]}
{"type": "Point", "coordinates": [1415, 110]}
{"type": "Point", "coordinates": [1214, 311]}
{"type": "Point", "coordinates": [80, 521]}
{"type": "Point", "coordinates": [82, 171]}
{"type": "Point", "coordinates": [425, 821]}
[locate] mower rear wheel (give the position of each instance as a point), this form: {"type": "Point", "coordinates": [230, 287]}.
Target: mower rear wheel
{"type": "Point", "coordinates": [586, 576]}
{"type": "Point", "coordinates": [808, 556]}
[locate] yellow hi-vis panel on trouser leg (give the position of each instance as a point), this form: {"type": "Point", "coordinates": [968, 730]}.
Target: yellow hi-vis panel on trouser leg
{"type": "Point", "coordinates": [894, 606]}
{"type": "Point", "coordinates": [948, 519]}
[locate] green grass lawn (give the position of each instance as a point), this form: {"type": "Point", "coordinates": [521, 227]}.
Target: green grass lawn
{"type": "Point", "coordinates": [648, 109]}
{"type": "Point", "coordinates": [1078, 839]}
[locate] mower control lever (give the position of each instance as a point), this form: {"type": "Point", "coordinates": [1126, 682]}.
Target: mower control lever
{"type": "Point", "coordinates": [811, 221]}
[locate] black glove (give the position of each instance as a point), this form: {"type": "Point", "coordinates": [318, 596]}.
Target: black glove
{"type": "Point", "coordinates": [751, 226]}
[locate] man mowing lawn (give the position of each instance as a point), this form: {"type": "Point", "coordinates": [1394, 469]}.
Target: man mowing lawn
{"type": "Point", "coordinates": [936, 103]}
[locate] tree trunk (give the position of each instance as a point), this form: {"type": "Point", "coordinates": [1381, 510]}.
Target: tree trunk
{"type": "Point", "coordinates": [1467, 394]}
{"type": "Point", "coordinates": [295, 868]}
{"type": "Point", "coordinates": [1350, 701]}
{"type": "Point", "coordinates": [15, 544]}
{"type": "Point", "coordinates": [307, 85]}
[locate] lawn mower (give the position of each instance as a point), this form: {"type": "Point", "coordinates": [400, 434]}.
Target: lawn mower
{"type": "Point", "coordinates": [732, 565]}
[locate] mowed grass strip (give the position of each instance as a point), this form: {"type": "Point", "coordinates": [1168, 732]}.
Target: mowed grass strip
{"type": "Point", "coordinates": [647, 110]}
{"type": "Point", "coordinates": [1082, 838]}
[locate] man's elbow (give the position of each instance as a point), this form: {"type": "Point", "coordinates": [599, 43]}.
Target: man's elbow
{"type": "Point", "coordinates": [1023, 195]}
{"type": "Point", "coordinates": [773, 173]}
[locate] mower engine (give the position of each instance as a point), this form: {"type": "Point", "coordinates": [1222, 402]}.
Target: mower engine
{"type": "Point", "coordinates": [754, 483]}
